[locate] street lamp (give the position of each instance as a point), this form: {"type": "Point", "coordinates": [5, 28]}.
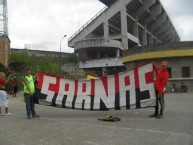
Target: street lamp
{"type": "Point", "coordinates": [60, 53]}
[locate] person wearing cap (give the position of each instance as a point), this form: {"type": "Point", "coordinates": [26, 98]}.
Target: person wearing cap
{"type": "Point", "coordinates": [162, 76]}
{"type": "Point", "coordinates": [3, 94]}
{"type": "Point", "coordinates": [29, 90]}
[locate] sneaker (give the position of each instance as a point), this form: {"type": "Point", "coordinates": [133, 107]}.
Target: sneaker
{"type": "Point", "coordinates": [35, 115]}
{"type": "Point", "coordinates": [29, 117]}
{"type": "Point", "coordinates": [159, 116]}
{"type": "Point", "coordinates": [153, 115]}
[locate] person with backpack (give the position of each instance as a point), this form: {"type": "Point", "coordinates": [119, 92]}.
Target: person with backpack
{"type": "Point", "coordinates": [29, 90]}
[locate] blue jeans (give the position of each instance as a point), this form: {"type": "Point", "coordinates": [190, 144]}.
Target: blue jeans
{"type": "Point", "coordinates": [30, 106]}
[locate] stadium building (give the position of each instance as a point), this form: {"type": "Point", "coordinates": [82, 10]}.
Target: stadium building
{"type": "Point", "coordinates": [121, 25]}
{"type": "Point", "coordinates": [129, 33]}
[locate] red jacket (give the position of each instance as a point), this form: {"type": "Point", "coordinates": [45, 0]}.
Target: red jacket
{"type": "Point", "coordinates": [2, 83]}
{"type": "Point", "coordinates": [161, 79]}
{"type": "Point", "coordinates": [15, 83]}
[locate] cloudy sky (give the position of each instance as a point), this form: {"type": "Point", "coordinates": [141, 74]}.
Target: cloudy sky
{"type": "Point", "coordinates": [40, 24]}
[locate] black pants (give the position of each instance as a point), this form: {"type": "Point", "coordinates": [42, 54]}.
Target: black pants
{"type": "Point", "coordinates": [159, 100]}
{"type": "Point", "coordinates": [15, 89]}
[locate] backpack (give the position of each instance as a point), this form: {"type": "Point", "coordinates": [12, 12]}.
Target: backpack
{"type": "Point", "coordinates": [110, 118]}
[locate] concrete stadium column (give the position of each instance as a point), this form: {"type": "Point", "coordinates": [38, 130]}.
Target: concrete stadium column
{"type": "Point", "coordinates": [124, 26]}
{"type": "Point", "coordinates": [144, 36]}
{"type": "Point", "coordinates": [106, 29]}
{"type": "Point", "coordinates": [98, 55]}
{"type": "Point", "coordinates": [118, 53]}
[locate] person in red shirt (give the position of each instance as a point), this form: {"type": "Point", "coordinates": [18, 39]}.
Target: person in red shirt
{"type": "Point", "coordinates": [162, 76]}
{"type": "Point", "coordinates": [3, 94]}
{"type": "Point", "coordinates": [15, 86]}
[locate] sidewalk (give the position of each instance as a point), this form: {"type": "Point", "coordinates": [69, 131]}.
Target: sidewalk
{"type": "Point", "coordinates": [59, 126]}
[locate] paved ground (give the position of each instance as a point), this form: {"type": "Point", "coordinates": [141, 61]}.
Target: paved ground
{"type": "Point", "coordinates": [58, 126]}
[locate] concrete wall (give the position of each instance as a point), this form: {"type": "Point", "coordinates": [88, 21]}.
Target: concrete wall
{"type": "Point", "coordinates": [4, 50]}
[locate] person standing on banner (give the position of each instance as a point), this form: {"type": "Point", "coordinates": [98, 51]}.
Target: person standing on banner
{"type": "Point", "coordinates": [3, 95]}
{"type": "Point", "coordinates": [162, 76]}
{"type": "Point", "coordinates": [29, 90]}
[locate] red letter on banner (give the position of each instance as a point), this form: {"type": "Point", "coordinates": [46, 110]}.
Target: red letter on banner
{"type": "Point", "coordinates": [47, 81]}
{"type": "Point", "coordinates": [83, 94]}
{"type": "Point", "coordinates": [66, 87]}
{"type": "Point", "coordinates": [128, 85]}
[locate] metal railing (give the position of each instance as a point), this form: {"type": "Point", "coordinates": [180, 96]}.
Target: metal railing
{"type": "Point", "coordinates": [91, 20]}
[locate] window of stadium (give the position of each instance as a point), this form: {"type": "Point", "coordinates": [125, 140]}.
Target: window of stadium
{"type": "Point", "coordinates": [170, 72]}
{"type": "Point", "coordinates": [185, 72]}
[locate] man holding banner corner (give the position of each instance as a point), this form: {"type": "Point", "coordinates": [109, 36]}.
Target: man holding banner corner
{"type": "Point", "coordinates": [29, 90]}
{"type": "Point", "coordinates": [160, 83]}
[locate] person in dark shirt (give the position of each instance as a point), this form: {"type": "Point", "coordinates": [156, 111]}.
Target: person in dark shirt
{"type": "Point", "coordinates": [183, 88]}
{"type": "Point", "coordinates": [15, 87]}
